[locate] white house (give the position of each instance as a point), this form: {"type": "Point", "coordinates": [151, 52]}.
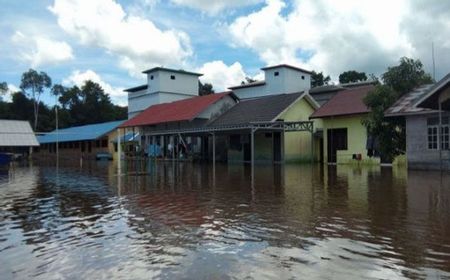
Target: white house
{"type": "Point", "coordinates": [163, 85]}
{"type": "Point", "coordinates": [278, 79]}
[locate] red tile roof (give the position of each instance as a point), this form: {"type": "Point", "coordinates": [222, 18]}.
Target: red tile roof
{"type": "Point", "coordinates": [182, 110]}
{"type": "Point", "coordinates": [346, 102]}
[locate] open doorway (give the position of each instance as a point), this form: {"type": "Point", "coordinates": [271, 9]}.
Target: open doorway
{"type": "Point", "coordinates": [336, 140]}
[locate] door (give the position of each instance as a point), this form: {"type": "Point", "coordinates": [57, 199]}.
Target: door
{"type": "Point", "coordinates": [337, 140]}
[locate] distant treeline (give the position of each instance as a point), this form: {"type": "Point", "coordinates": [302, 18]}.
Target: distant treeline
{"type": "Point", "coordinates": [76, 105]}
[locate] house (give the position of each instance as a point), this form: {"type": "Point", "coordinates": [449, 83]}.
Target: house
{"type": "Point", "coordinates": [345, 138]}
{"type": "Point", "coordinates": [278, 79]}
{"type": "Point", "coordinates": [266, 121]}
{"type": "Point", "coordinates": [17, 137]}
{"type": "Point", "coordinates": [163, 85]}
{"type": "Point", "coordinates": [85, 141]}
{"type": "Point", "coordinates": [426, 147]}
{"type": "Point", "coordinates": [166, 125]}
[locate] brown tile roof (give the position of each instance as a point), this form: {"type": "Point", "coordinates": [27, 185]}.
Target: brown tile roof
{"type": "Point", "coordinates": [406, 105]}
{"type": "Point", "coordinates": [345, 102]}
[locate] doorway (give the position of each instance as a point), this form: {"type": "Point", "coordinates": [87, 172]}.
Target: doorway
{"type": "Point", "coordinates": [336, 141]}
{"type": "Point", "coordinates": [277, 146]}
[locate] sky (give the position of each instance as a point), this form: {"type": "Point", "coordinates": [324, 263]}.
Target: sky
{"type": "Point", "coordinates": [112, 41]}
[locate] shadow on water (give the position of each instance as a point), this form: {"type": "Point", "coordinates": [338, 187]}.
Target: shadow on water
{"type": "Point", "coordinates": [184, 220]}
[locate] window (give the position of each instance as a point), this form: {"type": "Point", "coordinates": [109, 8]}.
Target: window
{"type": "Point", "coordinates": [172, 77]}
{"type": "Point", "coordinates": [276, 73]}
{"type": "Point", "coordinates": [151, 77]}
{"type": "Point", "coordinates": [104, 143]}
{"type": "Point", "coordinates": [303, 77]}
{"type": "Point", "coordinates": [432, 133]}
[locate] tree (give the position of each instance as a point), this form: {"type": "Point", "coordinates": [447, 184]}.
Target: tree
{"type": "Point", "coordinates": [3, 88]}
{"type": "Point", "coordinates": [398, 80]}
{"type": "Point", "coordinates": [248, 80]}
{"type": "Point", "coordinates": [33, 84]}
{"type": "Point", "coordinates": [406, 76]}
{"type": "Point", "coordinates": [205, 89]}
{"type": "Point", "coordinates": [88, 104]}
{"type": "Point", "coordinates": [318, 79]}
{"type": "Point", "coordinates": [352, 76]}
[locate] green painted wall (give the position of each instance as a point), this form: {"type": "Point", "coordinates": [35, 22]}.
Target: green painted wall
{"type": "Point", "coordinates": [297, 145]}
{"type": "Point", "coordinates": [356, 139]}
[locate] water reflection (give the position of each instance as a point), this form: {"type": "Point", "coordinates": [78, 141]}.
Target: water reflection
{"type": "Point", "coordinates": [193, 221]}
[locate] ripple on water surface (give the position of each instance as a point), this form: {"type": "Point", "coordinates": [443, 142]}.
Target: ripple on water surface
{"type": "Point", "coordinates": [192, 221]}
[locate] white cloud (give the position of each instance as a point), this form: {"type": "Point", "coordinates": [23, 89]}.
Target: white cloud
{"type": "Point", "coordinates": [214, 6]}
{"type": "Point", "coordinates": [78, 78]}
{"type": "Point", "coordinates": [7, 97]}
{"type": "Point", "coordinates": [38, 50]}
{"type": "Point", "coordinates": [326, 35]}
{"type": "Point", "coordinates": [220, 75]}
{"type": "Point", "coordinates": [136, 41]}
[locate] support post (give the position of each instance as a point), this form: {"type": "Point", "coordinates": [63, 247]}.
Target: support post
{"type": "Point", "coordinates": [119, 152]}
{"type": "Point", "coordinates": [252, 145]}
{"type": "Point", "coordinates": [312, 143]}
{"type": "Point", "coordinates": [440, 134]}
{"type": "Point", "coordinates": [214, 147]}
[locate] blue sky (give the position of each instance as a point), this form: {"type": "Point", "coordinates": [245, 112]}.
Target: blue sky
{"type": "Point", "coordinates": [112, 41]}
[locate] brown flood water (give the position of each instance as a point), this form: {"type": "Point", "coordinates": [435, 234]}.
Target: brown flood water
{"type": "Point", "coordinates": [188, 221]}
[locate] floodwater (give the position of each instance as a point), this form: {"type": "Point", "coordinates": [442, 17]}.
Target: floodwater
{"type": "Point", "coordinates": [188, 221]}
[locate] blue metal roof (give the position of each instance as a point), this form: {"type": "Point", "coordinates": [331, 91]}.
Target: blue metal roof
{"type": "Point", "coordinates": [79, 133]}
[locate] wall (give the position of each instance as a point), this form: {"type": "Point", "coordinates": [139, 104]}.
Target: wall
{"type": "Point", "coordinates": [287, 81]}
{"type": "Point", "coordinates": [74, 153]}
{"type": "Point", "coordinates": [356, 139]}
{"type": "Point", "coordinates": [183, 83]}
{"type": "Point", "coordinates": [297, 145]}
{"type": "Point", "coordinates": [418, 154]}
{"type": "Point", "coordinates": [218, 108]}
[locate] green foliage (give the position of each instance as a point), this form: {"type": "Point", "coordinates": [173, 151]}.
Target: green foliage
{"type": "Point", "coordinates": [79, 106]}
{"type": "Point", "coordinates": [406, 76]}
{"type": "Point", "coordinates": [390, 132]}
{"type": "Point", "coordinates": [398, 80]}
{"type": "Point", "coordinates": [33, 84]}
{"type": "Point", "coordinates": [3, 88]}
{"type": "Point", "coordinates": [205, 89]}
{"type": "Point", "coordinates": [352, 76]}
{"type": "Point", "coordinates": [248, 80]}
{"type": "Point", "coordinates": [318, 79]}
{"type": "Point", "coordinates": [86, 105]}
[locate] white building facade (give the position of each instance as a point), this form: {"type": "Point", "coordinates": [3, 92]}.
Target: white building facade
{"type": "Point", "coordinates": [278, 79]}
{"type": "Point", "coordinates": [163, 85]}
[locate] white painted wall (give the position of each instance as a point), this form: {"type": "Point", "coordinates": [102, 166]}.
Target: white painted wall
{"type": "Point", "coordinates": [162, 89]}
{"type": "Point", "coordinates": [218, 108]}
{"type": "Point", "coordinates": [288, 80]}
{"type": "Point", "coordinates": [183, 83]}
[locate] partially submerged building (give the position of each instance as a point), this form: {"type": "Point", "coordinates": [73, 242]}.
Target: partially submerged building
{"type": "Point", "coordinates": [345, 138]}
{"type": "Point", "coordinates": [425, 109]}
{"type": "Point", "coordinates": [85, 141]}
{"type": "Point", "coordinates": [275, 140]}
{"type": "Point", "coordinates": [17, 137]}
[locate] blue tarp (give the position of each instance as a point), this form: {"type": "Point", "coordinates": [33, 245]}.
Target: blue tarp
{"type": "Point", "coordinates": [79, 133]}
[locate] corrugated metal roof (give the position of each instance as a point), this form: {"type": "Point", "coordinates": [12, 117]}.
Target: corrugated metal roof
{"type": "Point", "coordinates": [406, 105]}
{"type": "Point", "coordinates": [14, 133]}
{"type": "Point", "coordinates": [346, 102]}
{"type": "Point", "coordinates": [261, 109]}
{"type": "Point", "coordinates": [182, 110]}
{"type": "Point", "coordinates": [79, 133]}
